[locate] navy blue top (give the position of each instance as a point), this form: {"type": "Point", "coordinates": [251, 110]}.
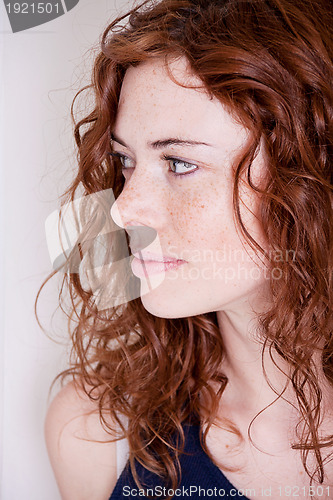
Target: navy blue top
{"type": "Point", "coordinates": [198, 471]}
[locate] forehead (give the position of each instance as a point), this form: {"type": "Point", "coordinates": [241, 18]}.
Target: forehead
{"type": "Point", "coordinates": [156, 75]}
{"type": "Point", "coordinates": [153, 103]}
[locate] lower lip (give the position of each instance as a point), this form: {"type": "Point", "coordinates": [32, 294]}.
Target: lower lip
{"type": "Point", "coordinates": [148, 267]}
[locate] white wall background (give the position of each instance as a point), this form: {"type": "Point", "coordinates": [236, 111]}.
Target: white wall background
{"type": "Point", "coordinates": [41, 69]}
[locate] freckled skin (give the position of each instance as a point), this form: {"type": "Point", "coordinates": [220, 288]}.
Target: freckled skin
{"type": "Point", "coordinates": [192, 212]}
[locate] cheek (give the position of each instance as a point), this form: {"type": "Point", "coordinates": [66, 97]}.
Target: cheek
{"type": "Point", "coordinates": [203, 217]}
{"type": "Point", "coordinates": [189, 211]}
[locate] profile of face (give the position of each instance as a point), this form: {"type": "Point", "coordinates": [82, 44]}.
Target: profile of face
{"type": "Point", "coordinates": [178, 146]}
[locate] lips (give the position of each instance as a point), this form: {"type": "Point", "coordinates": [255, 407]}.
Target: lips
{"type": "Point", "coordinates": [147, 263]}
{"type": "Point", "coordinates": [151, 257]}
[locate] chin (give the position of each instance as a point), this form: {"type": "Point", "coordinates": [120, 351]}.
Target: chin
{"type": "Point", "coordinates": [170, 305]}
{"type": "Point", "coordinates": [162, 308]}
{"type": "Point", "coordinates": [163, 305]}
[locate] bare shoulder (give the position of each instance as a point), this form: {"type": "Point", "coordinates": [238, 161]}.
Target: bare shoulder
{"type": "Point", "coordinates": [83, 468]}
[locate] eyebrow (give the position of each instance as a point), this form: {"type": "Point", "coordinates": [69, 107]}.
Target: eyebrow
{"type": "Point", "coordinates": [162, 143]}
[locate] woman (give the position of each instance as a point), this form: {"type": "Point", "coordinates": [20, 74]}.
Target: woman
{"type": "Point", "coordinates": [212, 126]}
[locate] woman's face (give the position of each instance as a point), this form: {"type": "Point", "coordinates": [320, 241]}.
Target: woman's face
{"type": "Point", "coordinates": [178, 147]}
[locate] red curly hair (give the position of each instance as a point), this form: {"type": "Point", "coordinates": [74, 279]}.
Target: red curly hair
{"type": "Point", "coordinates": [270, 63]}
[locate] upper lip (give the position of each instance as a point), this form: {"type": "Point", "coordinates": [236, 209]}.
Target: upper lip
{"type": "Point", "coordinates": [154, 257]}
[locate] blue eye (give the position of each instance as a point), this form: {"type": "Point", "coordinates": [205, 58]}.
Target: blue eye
{"type": "Point", "coordinates": [180, 167]}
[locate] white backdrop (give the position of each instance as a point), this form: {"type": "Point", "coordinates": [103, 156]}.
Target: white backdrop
{"type": "Point", "coordinates": [41, 69]}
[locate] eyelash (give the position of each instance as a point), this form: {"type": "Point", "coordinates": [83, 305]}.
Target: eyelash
{"type": "Point", "coordinates": [120, 156]}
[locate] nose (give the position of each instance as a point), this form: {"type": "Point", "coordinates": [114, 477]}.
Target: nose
{"type": "Point", "coordinates": [142, 202]}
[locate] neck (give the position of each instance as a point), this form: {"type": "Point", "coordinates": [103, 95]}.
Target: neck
{"type": "Point", "coordinates": [245, 363]}
{"type": "Point", "coordinates": [254, 378]}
